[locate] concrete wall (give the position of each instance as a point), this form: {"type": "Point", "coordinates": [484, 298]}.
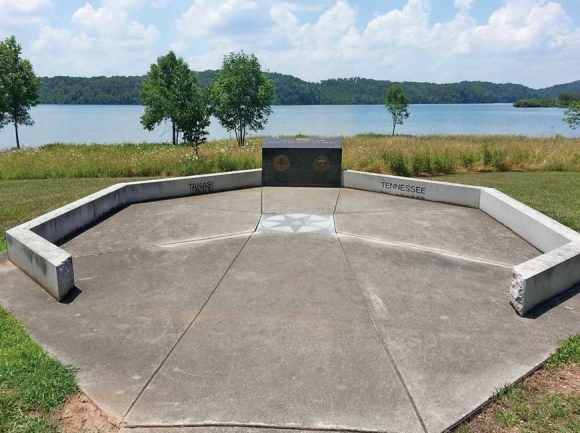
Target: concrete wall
{"type": "Point", "coordinates": [539, 230]}
{"type": "Point", "coordinates": [44, 262]}
{"type": "Point", "coordinates": [545, 277]}
{"type": "Point", "coordinates": [31, 245]}
{"type": "Point", "coordinates": [414, 188]}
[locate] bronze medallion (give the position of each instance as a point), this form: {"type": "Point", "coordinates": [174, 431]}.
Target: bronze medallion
{"type": "Point", "coordinates": [281, 163]}
{"type": "Point", "coordinates": [321, 163]}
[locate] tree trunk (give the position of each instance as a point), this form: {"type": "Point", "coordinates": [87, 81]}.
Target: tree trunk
{"type": "Point", "coordinates": [17, 138]}
{"type": "Point", "coordinates": [394, 126]}
{"type": "Point", "coordinates": [173, 130]}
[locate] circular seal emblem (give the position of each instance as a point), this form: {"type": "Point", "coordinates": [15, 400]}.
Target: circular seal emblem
{"type": "Point", "coordinates": [321, 163]}
{"type": "Point", "coordinates": [281, 163]}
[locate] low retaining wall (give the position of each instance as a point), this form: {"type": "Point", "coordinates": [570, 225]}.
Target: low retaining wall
{"type": "Point", "coordinates": [533, 282]}
{"type": "Point", "coordinates": [451, 193]}
{"type": "Point", "coordinates": [31, 245]}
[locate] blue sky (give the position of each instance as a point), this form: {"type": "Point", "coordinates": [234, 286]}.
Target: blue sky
{"type": "Point", "coordinates": [533, 42]}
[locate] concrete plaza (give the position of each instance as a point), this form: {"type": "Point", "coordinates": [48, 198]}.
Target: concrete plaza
{"type": "Point", "coordinates": [292, 308]}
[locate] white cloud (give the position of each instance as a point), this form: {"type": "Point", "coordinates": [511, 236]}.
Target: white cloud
{"type": "Point", "coordinates": [523, 25]}
{"type": "Point", "coordinates": [205, 17]}
{"type": "Point", "coordinates": [408, 26]}
{"type": "Point", "coordinates": [105, 41]}
{"type": "Point", "coordinates": [24, 6]}
{"type": "Point", "coordinates": [464, 4]}
{"type": "Point", "coordinates": [16, 14]}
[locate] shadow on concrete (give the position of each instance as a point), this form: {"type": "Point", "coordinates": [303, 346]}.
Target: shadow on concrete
{"type": "Point", "coordinates": [547, 306]}
{"type": "Point", "coordinates": [73, 293]}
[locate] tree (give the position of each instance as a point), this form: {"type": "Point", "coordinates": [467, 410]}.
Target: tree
{"type": "Point", "coordinates": [19, 86]}
{"type": "Point", "coordinates": [157, 93]}
{"type": "Point", "coordinates": [397, 103]}
{"type": "Point", "coordinates": [189, 110]}
{"type": "Point", "coordinates": [572, 115]}
{"type": "Point", "coordinates": [241, 95]}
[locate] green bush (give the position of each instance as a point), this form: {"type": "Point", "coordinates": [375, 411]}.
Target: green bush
{"type": "Point", "coordinates": [444, 164]}
{"type": "Point", "coordinates": [422, 165]}
{"type": "Point", "coordinates": [399, 164]}
{"type": "Point", "coordinates": [469, 159]}
{"type": "Point", "coordinates": [487, 155]}
{"type": "Point", "coordinates": [499, 160]}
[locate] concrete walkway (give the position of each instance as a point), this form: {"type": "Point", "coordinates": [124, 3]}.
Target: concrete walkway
{"type": "Point", "coordinates": [200, 315]}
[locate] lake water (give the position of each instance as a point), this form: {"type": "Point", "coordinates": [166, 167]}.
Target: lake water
{"type": "Point", "coordinates": [120, 123]}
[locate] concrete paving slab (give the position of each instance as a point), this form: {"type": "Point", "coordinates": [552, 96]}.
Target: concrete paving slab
{"type": "Point", "coordinates": [160, 223]}
{"type": "Point", "coordinates": [357, 201]}
{"type": "Point", "coordinates": [283, 200]}
{"type": "Point", "coordinates": [461, 231]}
{"type": "Point", "coordinates": [449, 328]}
{"type": "Point", "coordinates": [129, 311]}
{"type": "Point", "coordinates": [242, 200]}
{"type": "Point", "coordinates": [286, 341]}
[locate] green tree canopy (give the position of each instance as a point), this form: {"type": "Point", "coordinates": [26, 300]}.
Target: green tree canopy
{"type": "Point", "coordinates": [241, 95]}
{"type": "Point", "coordinates": [171, 93]}
{"type": "Point", "coordinates": [572, 115]}
{"type": "Point", "coordinates": [189, 107]}
{"type": "Point", "coordinates": [397, 103]}
{"type": "Point", "coordinates": [18, 86]}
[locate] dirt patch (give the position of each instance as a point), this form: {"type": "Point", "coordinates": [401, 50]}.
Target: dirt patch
{"type": "Point", "coordinates": [80, 414]}
{"type": "Point", "coordinates": [564, 380]}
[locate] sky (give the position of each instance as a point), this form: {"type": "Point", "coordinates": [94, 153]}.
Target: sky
{"type": "Point", "coordinates": [532, 42]}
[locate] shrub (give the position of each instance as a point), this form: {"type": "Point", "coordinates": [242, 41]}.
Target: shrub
{"type": "Point", "coordinates": [487, 156]}
{"type": "Point", "coordinates": [422, 165]}
{"type": "Point", "coordinates": [398, 164]}
{"type": "Point", "coordinates": [444, 164]}
{"type": "Point", "coordinates": [499, 160]}
{"type": "Point", "coordinates": [468, 160]}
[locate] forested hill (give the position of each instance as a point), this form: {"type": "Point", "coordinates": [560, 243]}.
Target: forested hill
{"type": "Point", "coordinates": [294, 91]}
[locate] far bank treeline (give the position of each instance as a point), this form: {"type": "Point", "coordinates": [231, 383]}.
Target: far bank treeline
{"type": "Point", "coordinates": [290, 90]}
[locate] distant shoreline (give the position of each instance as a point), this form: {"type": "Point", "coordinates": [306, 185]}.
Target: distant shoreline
{"type": "Point", "coordinates": [290, 90]}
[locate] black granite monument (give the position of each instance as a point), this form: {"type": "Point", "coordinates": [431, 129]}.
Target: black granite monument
{"type": "Point", "coordinates": [302, 162]}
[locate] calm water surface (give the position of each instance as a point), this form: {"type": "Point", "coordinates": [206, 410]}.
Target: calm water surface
{"type": "Point", "coordinates": [120, 123]}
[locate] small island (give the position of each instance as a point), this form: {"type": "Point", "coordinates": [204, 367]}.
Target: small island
{"type": "Point", "coordinates": [563, 101]}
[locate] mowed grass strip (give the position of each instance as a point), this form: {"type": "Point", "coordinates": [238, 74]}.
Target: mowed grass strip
{"type": "Point", "coordinates": [21, 201]}
{"type": "Point", "coordinates": [402, 155]}
{"type": "Point", "coordinates": [33, 385]}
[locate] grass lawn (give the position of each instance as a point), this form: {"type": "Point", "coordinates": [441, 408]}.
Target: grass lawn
{"type": "Point", "coordinates": [33, 386]}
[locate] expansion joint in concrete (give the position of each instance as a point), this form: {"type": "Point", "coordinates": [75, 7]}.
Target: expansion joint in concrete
{"type": "Point", "coordinates": [254, 426]}
{"type": "Point", "coordinates": [429, 250]}
{"type": "Point", "coordinates": [123, 423]}
{"type": "Point", "coordinates": [400, 211]}
{"type": "Point", "coordinates": [171, 244]}
{"type": "Point", "coordinates": [380, 336]}
{"type": "Point", "coordinates": [336, 204]}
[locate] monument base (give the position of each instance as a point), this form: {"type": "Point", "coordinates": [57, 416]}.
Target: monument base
{"type": "Point", "coordinates": [302, 162]}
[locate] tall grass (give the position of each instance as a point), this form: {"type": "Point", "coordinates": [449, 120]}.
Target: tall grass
{"type": "Point", "coordinates": [402, 155]}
